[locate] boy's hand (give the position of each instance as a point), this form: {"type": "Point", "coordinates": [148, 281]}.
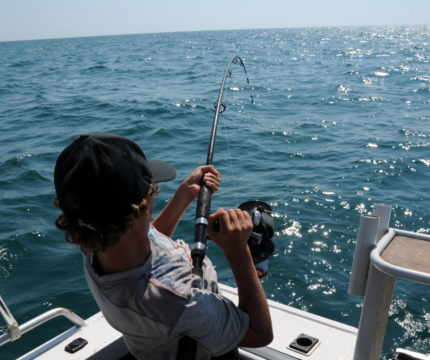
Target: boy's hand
{"type": "Point", "coordinates": [187, 192]}
{"type": "Point", "coordinates": [211, 177]}
{"type": "Point", "coordinates": [235, 228]}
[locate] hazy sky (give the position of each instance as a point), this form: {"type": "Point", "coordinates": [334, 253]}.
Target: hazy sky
{"type": "Point", "coordinates": [42, 19]}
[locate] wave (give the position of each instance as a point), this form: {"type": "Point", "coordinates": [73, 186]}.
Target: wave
{"type": "Point", "coordinates": [96, 67]}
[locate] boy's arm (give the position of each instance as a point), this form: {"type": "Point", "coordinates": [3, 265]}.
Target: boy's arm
{"type": "Point", "coordinates": [187, 192]}
{"type": "Point", "coordinates": [235, 228]}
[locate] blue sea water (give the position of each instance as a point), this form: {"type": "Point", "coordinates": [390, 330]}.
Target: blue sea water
{"type": "Point", "coordinates": [341, 121]}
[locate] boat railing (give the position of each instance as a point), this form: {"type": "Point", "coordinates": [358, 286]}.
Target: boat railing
{"type": "Point", "coordinates": [383, 254]}
{"type": "Point", "coordinates": [14, 331]}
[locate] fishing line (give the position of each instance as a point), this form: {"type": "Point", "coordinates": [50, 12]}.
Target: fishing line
{"type": "Point", "coordinates": [223, 104]}
{"type": "Point", "coordinates": [228, 146]}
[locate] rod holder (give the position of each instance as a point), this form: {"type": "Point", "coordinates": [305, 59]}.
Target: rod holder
{"type": "Point", "coordinates": [384, 213]}
{"type": "Point", "coordinates": [376, 303]}
{"type": "Point", "coordinates": [366, 240]}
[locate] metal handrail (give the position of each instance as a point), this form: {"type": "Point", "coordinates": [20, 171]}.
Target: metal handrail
{"type": "Point", "coordinates": [394, 270]}
{"type": "Point", "coordinates": [39, 320]}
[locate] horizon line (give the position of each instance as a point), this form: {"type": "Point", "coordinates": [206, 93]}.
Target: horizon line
{"type": "Point", "coordinates": [187, 31]}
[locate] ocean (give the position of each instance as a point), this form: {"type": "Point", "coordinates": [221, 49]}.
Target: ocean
{"type": "Point", "coordinates": [341, 121]}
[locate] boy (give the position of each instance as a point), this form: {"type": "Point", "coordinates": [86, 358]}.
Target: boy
{"type": "Point", "coordinates": [141, 279]}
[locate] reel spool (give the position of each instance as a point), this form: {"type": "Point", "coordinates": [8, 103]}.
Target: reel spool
{"type": "Point", "coordinates": [260, 242]}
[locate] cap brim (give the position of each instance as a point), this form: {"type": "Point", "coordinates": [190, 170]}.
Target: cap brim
{"type": "Point", "coordinates": [161, 171]}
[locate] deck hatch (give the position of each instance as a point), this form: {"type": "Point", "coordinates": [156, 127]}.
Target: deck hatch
{"type": "Point", "coordinates": [304, 343]}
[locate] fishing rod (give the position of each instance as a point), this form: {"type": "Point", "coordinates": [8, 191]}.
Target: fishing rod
{"type": "Point", "coordinates": [259, 242]}
{"type": "Point", "coordinates": [198, 250]}
{"type": "Point", "coordinates": [187, 347]}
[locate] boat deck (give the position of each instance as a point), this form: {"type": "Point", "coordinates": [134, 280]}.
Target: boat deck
{"type": "Point", "coordinates": [336, 340]}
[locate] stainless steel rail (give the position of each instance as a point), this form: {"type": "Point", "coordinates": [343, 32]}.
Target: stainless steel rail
{"type": "Point", "coordinates": [39, 320]}
{"type": "Point", "coordinates": [395, 270]}
{"type": "Point", "coordinates": [12, 326]}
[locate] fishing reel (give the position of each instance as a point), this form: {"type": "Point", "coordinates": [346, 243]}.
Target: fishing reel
{"type": "Point", "coordinates": [260, 242]}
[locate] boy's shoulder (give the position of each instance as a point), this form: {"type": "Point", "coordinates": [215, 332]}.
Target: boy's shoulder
{"type": "Point", "coordinates": [171, 265]}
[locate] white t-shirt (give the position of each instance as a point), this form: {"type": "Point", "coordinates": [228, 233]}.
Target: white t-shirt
{"type": "Point", "coordinates": [155, 305]}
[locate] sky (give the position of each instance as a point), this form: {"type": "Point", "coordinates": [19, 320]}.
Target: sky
{"type": "Point", "coordinates": [47, 19]}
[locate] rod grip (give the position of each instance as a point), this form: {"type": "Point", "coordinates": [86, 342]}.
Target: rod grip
{"type": "Point", "coordinates": [366, 240]}
{"type": "Point", "coordinates": [204, 202]}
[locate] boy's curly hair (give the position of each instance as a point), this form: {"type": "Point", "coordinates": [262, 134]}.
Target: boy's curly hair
{"type": "Point", "coordinates": [86, 239]}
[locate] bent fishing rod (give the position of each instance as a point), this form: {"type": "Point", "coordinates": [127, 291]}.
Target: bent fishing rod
{"type": "Point", "coordinates": [186, 346]}
{"type": "Point", "coordinates": [198, 249]}
{"type": "Point", "coordinates": [260, 241]}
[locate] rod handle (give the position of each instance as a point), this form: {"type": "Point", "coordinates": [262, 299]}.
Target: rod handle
{"type": "Point", "coordinates": [204, 202]}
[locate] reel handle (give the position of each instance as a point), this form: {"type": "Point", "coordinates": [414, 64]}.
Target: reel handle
{"type": "Point", "coordinates": [217, 225]}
